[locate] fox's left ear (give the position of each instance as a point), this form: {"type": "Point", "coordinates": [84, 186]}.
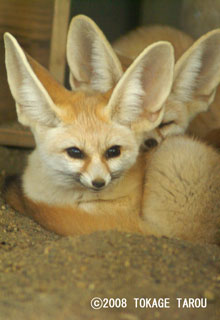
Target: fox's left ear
{"type": "Point", "coordinates": [92, 61]}
{"type": "Point", "coordinates": [138, 98]}
{"type": "Point", "coordinates": [197, 73]}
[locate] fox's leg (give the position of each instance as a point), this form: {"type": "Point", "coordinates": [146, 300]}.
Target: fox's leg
{"type": "Point", "coordinates": [67, 220]}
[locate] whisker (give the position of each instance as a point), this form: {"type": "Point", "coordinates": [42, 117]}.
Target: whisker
{"type": "Point", "coordinates": [116, 174]}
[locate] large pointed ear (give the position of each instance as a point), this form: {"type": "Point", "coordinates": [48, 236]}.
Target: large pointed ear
{"type": "Point", "coordinates": [197, 73]}
{"type": "Point", "coordinates": [138, 98]}
{"type": "Point", "coordinates": [33, 103]}
{"type": "Point", "coordinates": [92, 61]}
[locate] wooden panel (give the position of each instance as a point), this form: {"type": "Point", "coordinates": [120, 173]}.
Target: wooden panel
{"type": "Point", "coordinates": [16, 135]}
{"type": "Point", "coordinates": [31, 23]}
{"type": "Point", "coordinates": [199, 16]}
{"type": "Point", "coordinates": [161, 12]}
{"type": "Point", "coordinates": [28, 19]}
{"type": "Point", "coordinates": [57, 64]}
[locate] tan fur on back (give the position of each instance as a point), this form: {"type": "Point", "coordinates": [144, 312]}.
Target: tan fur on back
{"type": "Point", "coordinates": [134, 42]}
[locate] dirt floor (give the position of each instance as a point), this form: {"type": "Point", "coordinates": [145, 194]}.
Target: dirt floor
{"type": "Point", "coordinates": [45, 276]}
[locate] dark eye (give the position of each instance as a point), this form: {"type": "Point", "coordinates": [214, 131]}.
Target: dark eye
{"type": "Point", "coordinates": [151, 143]}
{"type": "Point", "coordinates": [113, 152]}
{"type": "Point", "coordinates": [75, 153]}
{"type": "Point", "coordinates": [164, 124]}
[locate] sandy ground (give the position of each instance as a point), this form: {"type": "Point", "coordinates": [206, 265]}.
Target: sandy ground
{"type": "Point", "coordinates": [45, 276]}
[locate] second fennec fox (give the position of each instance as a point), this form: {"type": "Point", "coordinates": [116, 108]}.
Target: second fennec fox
{"type": "Point", "coordinates": [196, 77]}
{"type": "Point", "coordinates": [86, 173]}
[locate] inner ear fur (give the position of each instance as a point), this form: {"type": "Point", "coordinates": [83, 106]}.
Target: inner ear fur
{"type": "Point", "coordinates": [92, 61]}
{"type": "Point", "coordinates": [138, 98]}
{"type": "Point", "coordinates": [35, 91]}
{"type": "Point", "coordinates": [197, 72]}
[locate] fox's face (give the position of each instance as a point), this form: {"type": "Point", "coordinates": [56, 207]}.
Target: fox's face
{"type": "Point", "coordinates": [175, 121]}
{"type": "Point", "coordinates": [91, 151]}
{"type": "Point", "coordinates": [89, 137]}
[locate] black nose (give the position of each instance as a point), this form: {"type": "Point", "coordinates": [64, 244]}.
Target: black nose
{"type": "Point", "coordinates": [98, 183]}
{"type": "Point", "coordinates": [151, 143]}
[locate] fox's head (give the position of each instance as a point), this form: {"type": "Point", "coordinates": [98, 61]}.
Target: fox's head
{"type": "Point", "coordinates": [89, 137]}
{"type": "Point", "coordinates": [196, 77]}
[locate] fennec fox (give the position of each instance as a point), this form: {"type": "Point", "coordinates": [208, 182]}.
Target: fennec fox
{"type": "Point", "coordinates": [86, 172]}
{"type": "Point", "coordinates": [196, 77]}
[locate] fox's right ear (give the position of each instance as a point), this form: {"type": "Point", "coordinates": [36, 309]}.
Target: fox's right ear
{"type": "Point", "coordinates": [197, 73]}
{"type": "Point", "coordinates": [138, 98]}
{"type": "Point", "coordinates": [92, 61]}
{"type": "Point", "coordinates": [33, 103]}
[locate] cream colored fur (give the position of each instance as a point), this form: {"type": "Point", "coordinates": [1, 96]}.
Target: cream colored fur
{"type": "Point", "coordinates": [92, 122]}
{"type": "Point", "coordinates": [181, 192]}
{"type": "Point", "coordinates": [197, 75]}
{"type": "Point", "coordinates": [160, 193]}
{"type": "Point", "coordinates": [86, 47]}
